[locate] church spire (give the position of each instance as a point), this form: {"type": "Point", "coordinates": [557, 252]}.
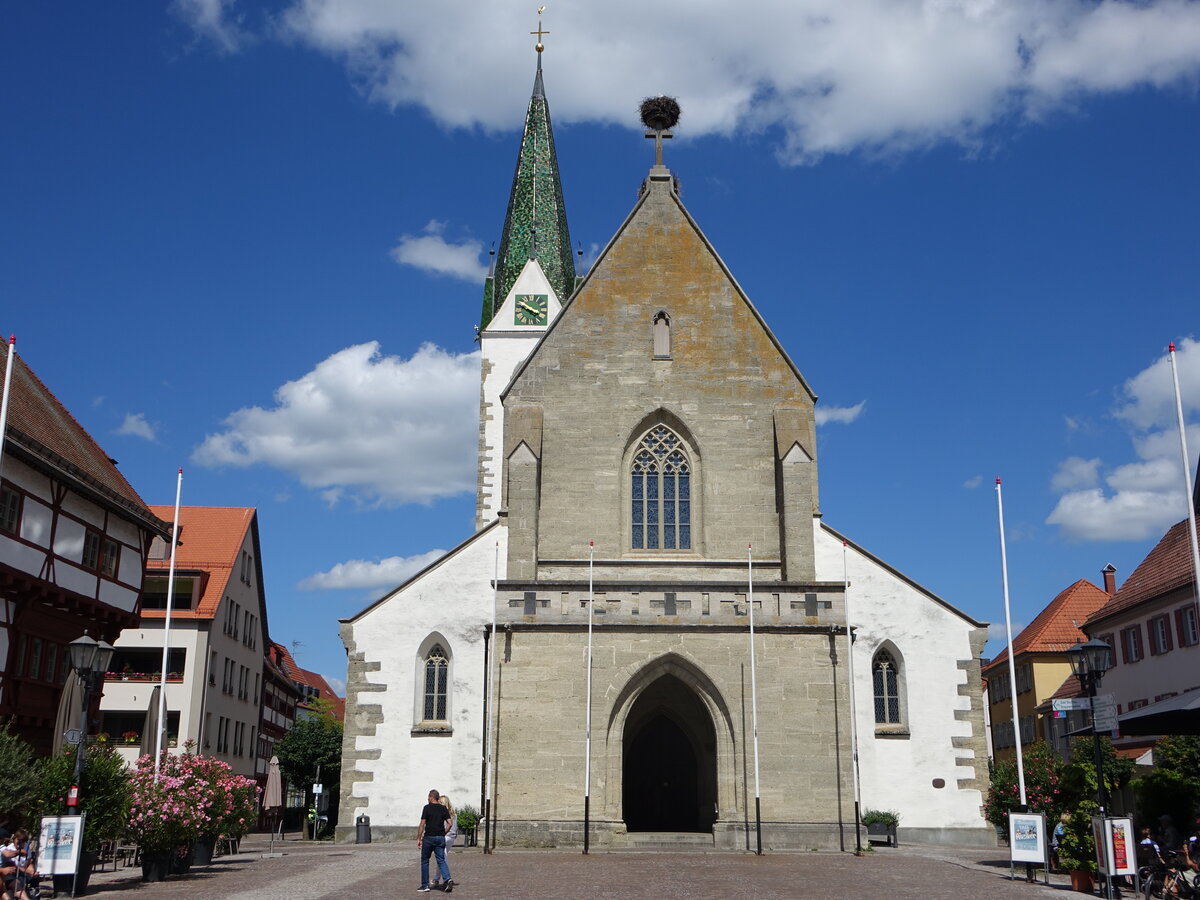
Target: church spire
{"type": "Point", "coordinates": [535, 226]}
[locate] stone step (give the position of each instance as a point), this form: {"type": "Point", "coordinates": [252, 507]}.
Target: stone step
{"type": "Point", "coordinates": [668, 840]}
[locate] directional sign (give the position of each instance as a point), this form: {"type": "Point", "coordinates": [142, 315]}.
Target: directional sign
{"type": "Point", "coordinates": [318, 788]}
{"type": "Point", "coordinates": [1105, 711]}
{"type": "Point", "coordinates": [1069, 703]}
{"type": "Point", "coordinates": [73, 736]}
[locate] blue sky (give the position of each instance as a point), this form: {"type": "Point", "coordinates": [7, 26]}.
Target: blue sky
{"type": "Point", "coordinates": [247, 239]}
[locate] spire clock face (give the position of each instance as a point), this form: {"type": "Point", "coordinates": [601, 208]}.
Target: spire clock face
{"type": "Point", "coordinates": [531, 309]}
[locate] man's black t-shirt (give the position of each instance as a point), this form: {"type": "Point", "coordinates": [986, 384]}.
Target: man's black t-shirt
{"type": "Point", "coordinates": [435, 816]}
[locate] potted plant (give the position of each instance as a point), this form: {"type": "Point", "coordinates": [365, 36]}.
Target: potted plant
{"type": "Point", "coordinates": [104, 794]}
{"type": "Point", "coordinates": [1077, 849]}
{"type": "Point", "coordinates": [131, 737]}
{"type": "Point", "coordinates": [232, 805]}
{"type": "Point", "coordinates": [882, 823]}
{"type": "Point", "coordinates": [168, 812]}
{"type": "Point", "coordinates": [468, 821]}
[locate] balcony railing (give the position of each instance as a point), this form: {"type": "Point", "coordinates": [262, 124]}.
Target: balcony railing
{"type": "Point", "coordinates": [142, 676]}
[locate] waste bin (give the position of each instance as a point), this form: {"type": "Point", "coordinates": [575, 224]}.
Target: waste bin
{"type": "Point", "coordinates": [362, 829]}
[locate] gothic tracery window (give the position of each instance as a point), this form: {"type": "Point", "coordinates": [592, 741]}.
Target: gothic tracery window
{"type": "Point", "coordinates": [887, 689]}
{"type": "Point", "coordinates": [437, 670]}
{"type": "Point", "coordinates": [661, 493]}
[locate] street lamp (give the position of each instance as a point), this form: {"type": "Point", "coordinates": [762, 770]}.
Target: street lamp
{"type": "Point", "coordinates": [1089, 661]}
{"type": "Point", "coordinates": [89, 659]}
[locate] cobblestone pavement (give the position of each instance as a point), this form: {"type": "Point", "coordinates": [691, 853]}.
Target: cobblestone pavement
{"type": "Point", "coordinates": [318, 871]}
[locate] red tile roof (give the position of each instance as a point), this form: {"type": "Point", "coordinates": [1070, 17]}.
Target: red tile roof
{"type": "Point", "coordinates": [1055, 630]}
{"type": "Point", "coordinates": [41, 427]}
{"type": "Point", "coordinates": [1167, 568]}
{"type": "Point", "coordinates": [210, 540]}
{"type": "Point", "coordinates": [313, 679]}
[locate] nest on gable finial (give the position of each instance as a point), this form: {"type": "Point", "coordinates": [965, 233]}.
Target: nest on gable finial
{"type": "Point", "coordinates": [660, 113]}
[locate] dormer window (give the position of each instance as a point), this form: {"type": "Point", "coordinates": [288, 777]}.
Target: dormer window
{"type": "Point", "coordinates": [662, 335]}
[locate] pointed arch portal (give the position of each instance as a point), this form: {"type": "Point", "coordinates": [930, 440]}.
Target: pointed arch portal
{"type": "Point", "coordinates": [669, 777]}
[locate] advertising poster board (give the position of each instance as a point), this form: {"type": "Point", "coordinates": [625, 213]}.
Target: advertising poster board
{"type": "Point", "coordinates": [1122, 847]}
{"type": "Point", "coordinates": [1027, 838]}
{"type": "Point", "coordinates": [1103, 850]}
{"type": "Point", "coordinates": [60, 840]}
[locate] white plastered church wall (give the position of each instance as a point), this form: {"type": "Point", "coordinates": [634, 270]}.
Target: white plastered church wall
{"type": "Point", "coordinates": [898, 773]}
{"type": "Point", "coordinates": [452, 599]}
{"type": "Point", "coordinates": [504, 345]}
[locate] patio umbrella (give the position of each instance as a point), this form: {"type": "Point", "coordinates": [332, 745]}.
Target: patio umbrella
{"type": "Point", "coordinates": [70, 705]}
{"type": "Point", "coordinates": [1175, 715]}
{"type": "Point", "coordinates": [273, 795]}
{"type": "Point", "coordinates": [150, 729]}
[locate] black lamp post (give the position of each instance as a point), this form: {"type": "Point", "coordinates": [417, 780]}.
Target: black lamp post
{"type": "Point", "coordinates": [1089, 661]}
{"type": "Point", "coordinates": [89, 659]}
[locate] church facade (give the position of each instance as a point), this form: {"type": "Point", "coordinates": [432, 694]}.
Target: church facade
{"type": "Point", "coordinates": [648, 461]}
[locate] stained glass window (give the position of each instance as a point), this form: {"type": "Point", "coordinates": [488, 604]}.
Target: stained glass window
{"type": "Point", "coordinates": [887, 691]}
{"type": "Point", "coordinates": [437, 669]}
{"type": "Point", "coordinates": [661, 493]}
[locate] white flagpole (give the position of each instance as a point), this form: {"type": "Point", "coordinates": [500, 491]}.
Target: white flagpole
{"type": "Point", "coordinates": [162, 676]}
{"type": "Point", "coordinates": [587, 725]}
{"type": "Point", "coordinates": [1012, 667]}
{"type": "Point", "coordinates": [8, 370]}
{"type": "Point", "coordinates": [753, 695]}
{"type": "Point", "coordinates": [1187, 481]}
{"type": "Point", "coordinates": [853, 724]}
{"type": "Point", "coordinates": [489, 832]}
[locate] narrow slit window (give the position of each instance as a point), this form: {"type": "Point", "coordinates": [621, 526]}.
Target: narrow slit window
{"type": "Point", "coordinates": [662, 336]}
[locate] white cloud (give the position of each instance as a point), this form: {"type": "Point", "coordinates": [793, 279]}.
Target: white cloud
{"type": "Point", "coordinates": [842, 415]}
{"type": "Point", "coordinates": [1075, 473]}
{"type": "Point", "coordinates": [997, 631]}
{"type": "Point", "coordinates": [215, 21]}
{"type": "Point", "coordinates": [378, 429]}
{"type": "Point", "coordinates": [135, 424]}
{"type": "Point", "coordinates": [973, 482]}
{"type": "Point", "coordinates": [432, 253]}
{"type": "Point", "coordinates": [364, 573]}
{"type": "Point", "coordinates": [831, 76]}
{"type": "Point", "coordinates": [338, 684]}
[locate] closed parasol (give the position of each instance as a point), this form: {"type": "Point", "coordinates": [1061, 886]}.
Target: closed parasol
{"type": "Point", "coordinates": [70, 705]}
{"type": "Point", "coordinates": [150, 729]}
{"type": "Point", "coordinates": [273, 795]}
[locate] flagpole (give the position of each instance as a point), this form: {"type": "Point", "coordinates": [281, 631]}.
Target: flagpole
{"type": "Point", "coordinates": [162, 676]}
{"type": "Point", "coordinates": [489, 832]}
{"type": "Point", "coordinates": [1187, 480]}
{"type": "Point", "coordinates": [858, 849]}
{"type": "Point", "coordinates": [753, 695]}
{"type": "Point", "coordinates": [8, 370]}
{"type": "Point", "coordinates": [587, 725]}
{"type": "Point", "coordinates": [1012, 667]}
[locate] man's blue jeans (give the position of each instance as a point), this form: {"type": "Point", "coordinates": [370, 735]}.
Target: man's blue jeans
{"type": "Point", "coordinates": [436, 846]}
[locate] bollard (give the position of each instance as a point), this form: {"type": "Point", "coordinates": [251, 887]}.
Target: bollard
{"type": "Point", "coordinates": [362, 829]}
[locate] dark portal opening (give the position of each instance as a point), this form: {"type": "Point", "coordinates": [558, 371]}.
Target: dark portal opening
{"type": "Point", "coordinates": [670, 767]}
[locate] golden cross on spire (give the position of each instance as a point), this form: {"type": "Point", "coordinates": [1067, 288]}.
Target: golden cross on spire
{"type": "Point", "coordinates": [540, 46]}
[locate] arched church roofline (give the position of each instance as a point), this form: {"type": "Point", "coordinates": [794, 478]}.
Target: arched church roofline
{"type": "Point", "coordinates": [683, 669]}
{"type": "Point", "coordinates": [662, 416]}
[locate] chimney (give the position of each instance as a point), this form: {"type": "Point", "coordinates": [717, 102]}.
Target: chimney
{"type": "Point", "coordinates": [1110, 579]}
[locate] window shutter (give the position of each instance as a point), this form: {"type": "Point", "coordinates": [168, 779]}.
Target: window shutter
{"type": "Point", "coordinates": [1179, 627]}
{"type": "Point", "coordinates": [1167, 634]}
{"type": "Point", "coordinates": [1125, 645]}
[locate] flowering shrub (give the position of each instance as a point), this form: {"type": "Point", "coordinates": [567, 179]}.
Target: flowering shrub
{"type": "Point", "coordinates": [192, 795]}
{"type": "Point", "coordinates": [1044, 791]}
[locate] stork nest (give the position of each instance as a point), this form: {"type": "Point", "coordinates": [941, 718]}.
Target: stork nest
{"type": "Point", "coordinates": [660, 113]}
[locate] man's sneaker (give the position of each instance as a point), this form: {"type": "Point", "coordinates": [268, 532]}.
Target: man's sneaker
{"type": "Point", "coordinates": [423, 889]}
{"type": "Point", "coordinates": [449, 885]}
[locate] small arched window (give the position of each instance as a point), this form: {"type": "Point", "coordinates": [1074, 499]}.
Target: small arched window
{"type": "Point", "coordinates": [437, 671]}
{"type": "Point", "coordinates": [661, 492]}
{"type": "Point", "coordinates": [662, 336]}
{"type": "Point", "coordinates": [886, 675]}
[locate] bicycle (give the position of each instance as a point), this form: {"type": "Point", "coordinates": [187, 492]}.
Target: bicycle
{"type": "Point", "coordinates": [1167, 880]}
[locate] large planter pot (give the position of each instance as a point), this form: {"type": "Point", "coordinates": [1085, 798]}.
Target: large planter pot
{"type": "Point", "coordinates": [1081, 881]}
{"type": "Point", "coordinates": [202, 853]}
{"type": "Point", "coordinates": [181, 863]}
{"type": "Point", "coordinates": [156, 864]}
{"type": "Point", "coordinates": [63, 883]}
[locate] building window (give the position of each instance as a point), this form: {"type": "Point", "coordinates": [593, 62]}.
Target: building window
{"type": "Point", "coordinates": [1131, 644]}
{"type": "Point", "coordinates": [998, 688]}
{"type": "Point", "coordinates": [1024, 678]}
{"type": "Point", "coordinates": [154, 592]}
{"type": "Point", "coordinates": [1108, 639]}
{"type": "Point", "coordinates": [91, 550]}
{"type": "Point", "coordinates": [10, 510]}
{"type": "Point", "coordinates": [1185, 622]}
{"type": "Point", "coordinates": [437, 671]}
{"type": "Point", "coordinates": [887, 689]}
{"type": "Point", "coordinates": [662, 336]}
{"type": "Point", "coordinates": [1026, 730]}
{"type": "Point", "coordinates": [662, 497]}
{"type": "Point", "coordinates": [1160, 635]}
{"type": "Point", "coordinates": [110, 557]}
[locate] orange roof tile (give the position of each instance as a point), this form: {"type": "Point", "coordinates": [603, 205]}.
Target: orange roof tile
{"type": "Point", "coordinates": [313, 679]}
{"type": "Point", "coordinates": [40, 426]}
{"type": "Point", "coordinates": [1054, 629]}
{"type": "Point", "coordinates": [1166, 568]}
{"type": "Point", "coordinates": [210, 540]}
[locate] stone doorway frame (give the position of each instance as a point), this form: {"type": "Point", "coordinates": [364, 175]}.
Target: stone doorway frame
{"type": "Point", "coordinates": [725, 752]}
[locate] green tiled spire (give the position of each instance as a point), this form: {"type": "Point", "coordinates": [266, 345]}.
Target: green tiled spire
{"type": "Point", "coordinates": [536, 221]}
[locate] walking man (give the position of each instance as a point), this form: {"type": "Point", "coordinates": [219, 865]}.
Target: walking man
{"type": "Point", "coordinates": [431, 838]}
